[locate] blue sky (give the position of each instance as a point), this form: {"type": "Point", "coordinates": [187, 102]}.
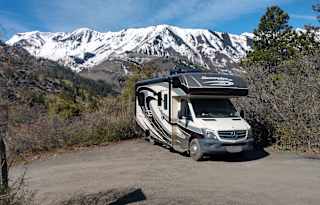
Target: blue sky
{"type": "Point", "coordinates": [235, 16]}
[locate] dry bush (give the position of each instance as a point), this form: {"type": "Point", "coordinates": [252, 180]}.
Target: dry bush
{"type": "Point", "coordinates": [112, 122]}
{"type": "Point", "coordinates": [284, 104]}
{"type": "Point", "coordinates": [33, 133]}
{"type": "Point", "coordinates": [18, 193]}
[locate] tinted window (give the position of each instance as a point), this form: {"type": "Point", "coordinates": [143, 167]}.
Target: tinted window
{"type": "Point", "coordinates": [159, 98]}
{"type": "Point", "coordinates": [165, 102]}
{"type": "Point", "coordinates": [213, 108]}
{"type": "Point", "coordinates": [141, 99]}
{"type": "Point", "coordinates": [184, 109]}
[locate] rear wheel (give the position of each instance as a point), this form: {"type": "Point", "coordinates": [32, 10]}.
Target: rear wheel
{"type": "Point", "coordinates": [146, 135]}
{"type": "Point", "coordinates": [149, 138]}
{"type": "Point", "coordinates": [152, 140]}
{"type": "Point", "coordinates": [195, 150]}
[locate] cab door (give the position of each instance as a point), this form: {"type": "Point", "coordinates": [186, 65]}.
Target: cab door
{"type": "Point", "coordinates": [184, 125]}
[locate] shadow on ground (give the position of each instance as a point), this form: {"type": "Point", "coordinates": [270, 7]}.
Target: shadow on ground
{"type": "Point", "coordinates": [256, 154]}
{"type": "Point", "coordinates": [114, 197]}
{"type": "Point", "coordinates": [131, 197]}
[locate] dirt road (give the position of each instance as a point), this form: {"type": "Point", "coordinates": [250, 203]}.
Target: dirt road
{"type": "Point", "coordinates": [170, 178]}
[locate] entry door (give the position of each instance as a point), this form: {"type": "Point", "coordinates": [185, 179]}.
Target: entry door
{"type": "Point", "coordinates": [165, 104]}
{"type": "Point", "coordinates": [164, 110]}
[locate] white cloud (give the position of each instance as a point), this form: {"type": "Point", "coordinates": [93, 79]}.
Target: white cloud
{"type": "Point", "coordinates": [303, 17]}
{"type": "Point", "coordinates": [204, 12]}
{"type": "Point", "coordinates": [98, 14]}
{"type": "Point", "coordinates": [66, 15]}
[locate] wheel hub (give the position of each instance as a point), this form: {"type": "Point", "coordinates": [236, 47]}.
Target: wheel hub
{"type": "Point", "coordinates": [194, 148]}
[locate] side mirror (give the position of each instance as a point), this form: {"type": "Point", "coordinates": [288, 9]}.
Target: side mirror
{"type": "Point", "coordinates": [179, 114]}
{"type": "Point", "coordinates": [242, 113]}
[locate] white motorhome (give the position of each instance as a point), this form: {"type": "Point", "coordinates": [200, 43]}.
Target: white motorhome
{"type": "Point", "coordinates": [192, 112]}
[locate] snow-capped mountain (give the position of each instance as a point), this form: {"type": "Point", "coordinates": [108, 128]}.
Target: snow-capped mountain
{"type": "Point", "coordinates": [85, 48]}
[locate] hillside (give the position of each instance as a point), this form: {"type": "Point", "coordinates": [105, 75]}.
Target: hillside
{"type": "Point", "coordinates": [23, 76]}
{"type": "Point", "coordinates": [52, 107]}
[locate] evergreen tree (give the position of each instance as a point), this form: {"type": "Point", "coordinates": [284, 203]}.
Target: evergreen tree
{"type": "Point", "coordinates": [272, 25]}
{"type": "Point", "coordinates": [275, 41]}
{"type": "Point", "coordinates": [270, 44]}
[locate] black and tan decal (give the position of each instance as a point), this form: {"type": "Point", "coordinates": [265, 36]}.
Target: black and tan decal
{"type": "Point", "coordinates": [150, 116]}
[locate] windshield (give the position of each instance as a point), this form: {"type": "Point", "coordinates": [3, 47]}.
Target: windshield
{"type": "Point", "coordinates": [213, 108]}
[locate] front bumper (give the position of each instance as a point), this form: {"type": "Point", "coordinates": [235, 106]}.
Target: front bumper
{"type": "Point", "coordinates": [211, 146]}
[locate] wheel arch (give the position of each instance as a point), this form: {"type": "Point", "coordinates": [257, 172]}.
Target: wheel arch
{"type": "Point", "coordinates": [193, 136]}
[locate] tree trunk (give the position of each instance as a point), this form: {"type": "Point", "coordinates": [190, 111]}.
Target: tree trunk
{"type": "Point", "coordinates": [3, 158]}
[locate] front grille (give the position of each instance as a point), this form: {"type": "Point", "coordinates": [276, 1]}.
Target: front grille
{"type": "Point", "coordinates": [232, 134]}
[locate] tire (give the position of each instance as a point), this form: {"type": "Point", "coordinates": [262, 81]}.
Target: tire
{"type": "Point", "coordinates": [195, 150]}
{"type": "Point", "coordinates": [146, 135]}
{"type": "Point", "coordinates": [171, 149]}
{"type": "Point", "coordinates": [152, 140]}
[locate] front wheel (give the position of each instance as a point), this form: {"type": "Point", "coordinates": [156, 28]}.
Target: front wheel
{"type": "Point", "coordinates": [195, 150]}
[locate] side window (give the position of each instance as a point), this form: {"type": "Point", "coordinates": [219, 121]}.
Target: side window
{"type": "Point", "coordinates": [184, 109]}
{"type": "Point", "coordinates": [141, 99]}
{"type": "Point", "coordinates": [188, 113]}
{"type": "Point", "coordinates": [159, 98]}
{"type": "Point", "coordinates": [165, 101]}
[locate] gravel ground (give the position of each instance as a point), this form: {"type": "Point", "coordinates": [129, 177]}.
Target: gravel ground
{"type": "Point", "coordinates": [161, 177]}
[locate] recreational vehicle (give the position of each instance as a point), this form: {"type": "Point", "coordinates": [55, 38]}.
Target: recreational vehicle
{"type": "Point", "coordinates": [192, 112]}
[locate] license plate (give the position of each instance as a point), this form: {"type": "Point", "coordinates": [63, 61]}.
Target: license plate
{"type": "Point", "coordinates": [234, 149]}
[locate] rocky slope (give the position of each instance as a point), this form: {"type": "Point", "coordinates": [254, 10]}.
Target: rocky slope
{"type": "Point", "coordinates": [84, 49]}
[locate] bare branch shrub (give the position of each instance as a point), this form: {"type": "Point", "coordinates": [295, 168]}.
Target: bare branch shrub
{"type": "Point", "coordinates": [284, 104]}
{"type": "Point", "coordinates": [18, 193]}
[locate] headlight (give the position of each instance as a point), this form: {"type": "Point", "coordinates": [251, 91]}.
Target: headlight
{"type": "Point", "coordinates": [209, 134]}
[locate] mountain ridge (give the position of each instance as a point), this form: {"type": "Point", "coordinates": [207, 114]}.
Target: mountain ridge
{"type": "Point", "coordinates": [85, 48]}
